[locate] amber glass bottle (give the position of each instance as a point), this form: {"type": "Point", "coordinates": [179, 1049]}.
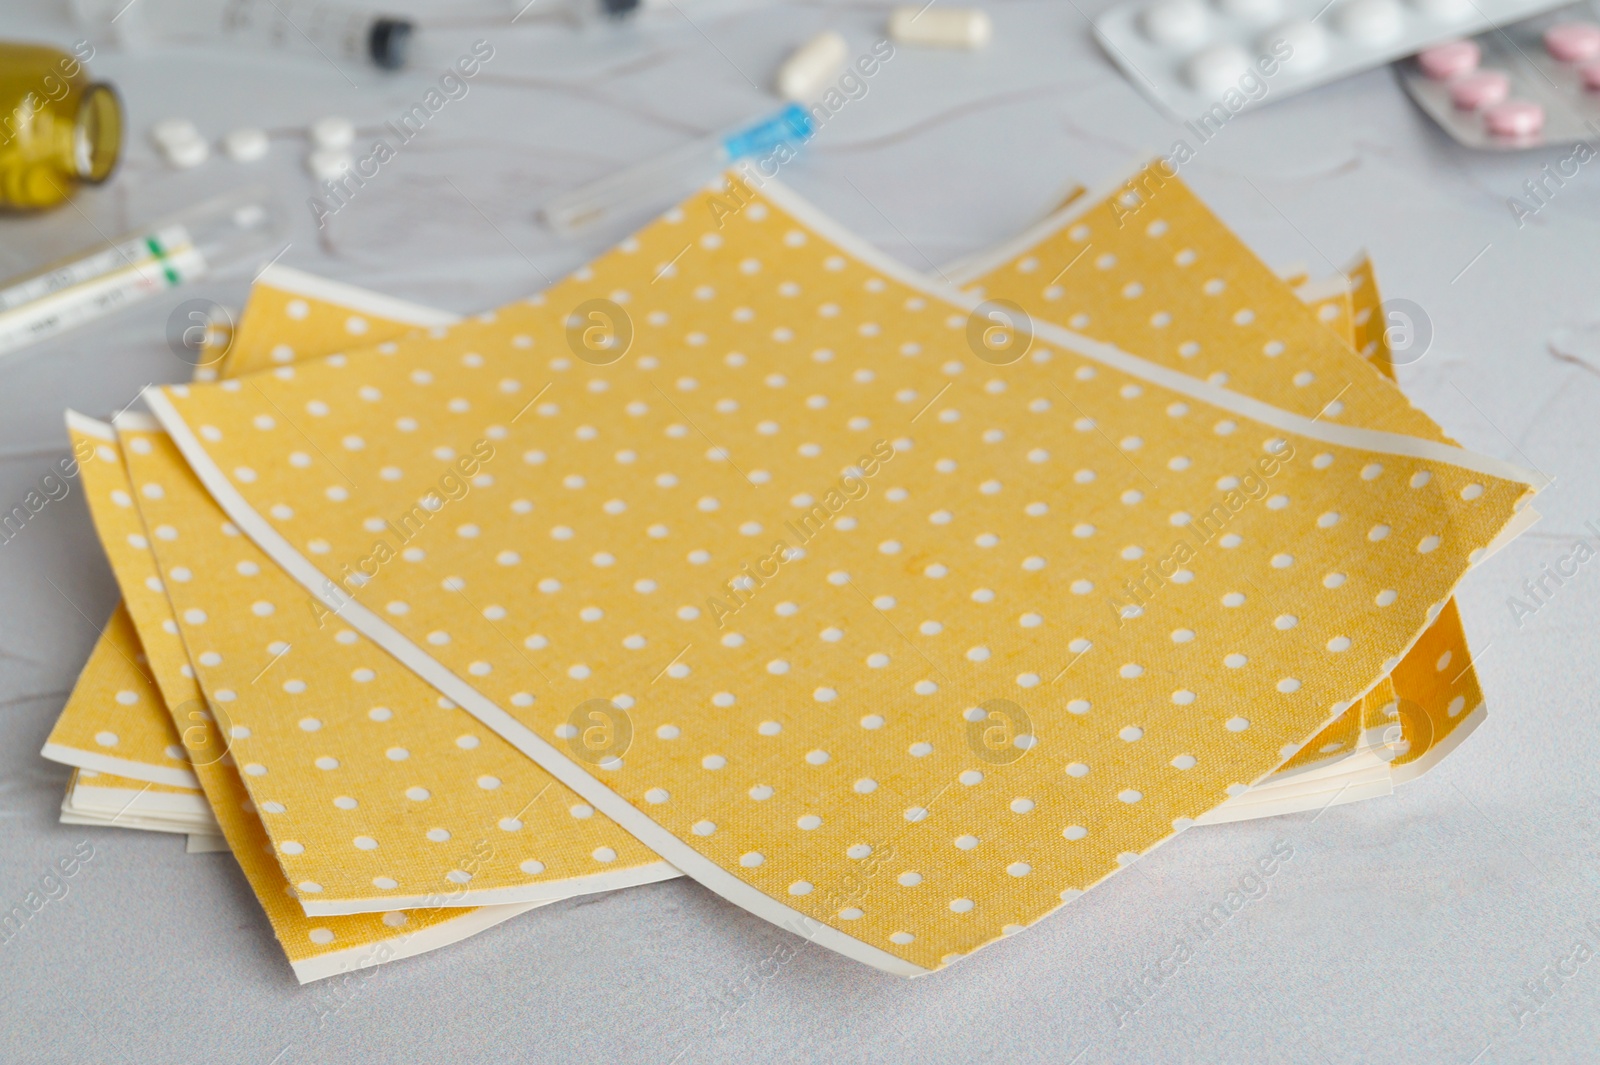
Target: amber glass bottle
{"type": "Point", "coordinates": [57, 128]}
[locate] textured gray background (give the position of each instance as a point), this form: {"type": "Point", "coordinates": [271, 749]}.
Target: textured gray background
{"type": "Point", "coordinates": [1400, 930]}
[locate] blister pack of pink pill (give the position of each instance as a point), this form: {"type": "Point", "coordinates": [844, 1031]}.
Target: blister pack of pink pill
{"type": "Point", "coordinates": [1525, 86]}
{"type": "Point", "coordinates": [1218, 57]}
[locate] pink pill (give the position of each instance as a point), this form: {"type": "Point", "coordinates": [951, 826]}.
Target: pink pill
{"type": "Point", "coordinates": [1571, 41]}
{"type": "Point", "coordinates": [1590, 73]}
{"type": "Point", "coordinates": [1482, 89]}
{"type": "Point", "coordinates": [1449, 60]}
{"type": "Point", "coordinates": [1514, 118]}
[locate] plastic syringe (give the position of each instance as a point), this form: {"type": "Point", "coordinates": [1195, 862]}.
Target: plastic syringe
{"type": "Point", "coordinates": [625, 195]}
{"type": "Point", "coordinates": [91, 285]}
{"type": "Point", "coordinates": [311, 27]}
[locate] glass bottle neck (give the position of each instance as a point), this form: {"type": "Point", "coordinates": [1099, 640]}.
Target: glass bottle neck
{"type": "Point", "coordinates": [97, 133]}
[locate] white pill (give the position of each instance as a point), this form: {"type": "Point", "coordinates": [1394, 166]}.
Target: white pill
{"type": "Point", "coordinates": [810, 68]}
{"type": "Point", "coordinates": [1218, 68]}
{"type": "Point", "coordinates": [185, 155]}
{"type": "Point", "coordinates": [1175, 22]}
{"type": "Point", "coordinates": [329, 164]}
{"type": "Point", "coordinates": [170, 131]}
{"type": "Point", "coordinates": [1369, 21]}
{"type": "Point", "coordinates": [245, 145]}
{"type": "Point", "coordinates": [941, 27]}
{"type": "Point", "coordinates": [333, 132]}
{"type": "Point", "coordinates": [1251, 10]}
{"type": "Point", "coordinates": [1307, 43]}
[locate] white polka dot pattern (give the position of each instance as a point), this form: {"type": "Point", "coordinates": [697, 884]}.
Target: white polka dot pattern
{"type": "Point", "coordinates": [1171, 217]}
{"type": "Point", "coordinates": [303, 659]}
{"type": "Point", "coordinates": [312, 945]}
{"type": "Point", "coordinates": [115, 720]}
{"type": "Point", "coordinates": [688, 463]}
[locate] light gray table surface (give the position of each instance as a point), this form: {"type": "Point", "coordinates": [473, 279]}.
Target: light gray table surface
{"type": "Point", "coordinates": [1403, 929]}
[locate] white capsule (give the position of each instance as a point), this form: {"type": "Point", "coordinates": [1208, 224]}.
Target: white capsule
{"type": "Point", "coordinates": [941, 27]}
{"type": "Point", "coordinates": [1175, 23]}
{"type": "Point", "coordinates": [245, 145]}
{"type": "Point", "coordinates": [329, 164]}
{"type": "Point", "coordinates": [333, 132]}
{"type": "Point", "coordinates": [1217, 68]}
{"type": "Point", "coordinates": [811, 66]}
{"type": "Point", "coordinates": [1369, 21]}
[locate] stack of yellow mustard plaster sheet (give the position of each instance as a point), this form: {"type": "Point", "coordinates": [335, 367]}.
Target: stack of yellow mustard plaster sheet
{"type": "Point", "coordinates": [896, 612]}
{"type": "Point", "coordinates": [814, 718]}
{"type": "Point", "coordinates": [117, 706]}
{"type": "Point", "coordinates": [316, 947]}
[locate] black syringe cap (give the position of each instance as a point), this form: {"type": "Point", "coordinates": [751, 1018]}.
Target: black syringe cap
{"type": "Point", "coordinates": [388, 41]}
{"type": "Point", "coordinates": [619, 8]}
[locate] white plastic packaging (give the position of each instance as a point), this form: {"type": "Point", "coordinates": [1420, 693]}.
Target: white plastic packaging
{"type": "Point", "coordinates": [1530, 73]}
{"type": "Point", "coordinates": [1219, 57]}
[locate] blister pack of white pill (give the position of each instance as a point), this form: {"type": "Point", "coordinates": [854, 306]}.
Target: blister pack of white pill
{"type": "Point", "coordinates": [1525, 86]}
{"type": "Point", "coordinates": [1197, 56]}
